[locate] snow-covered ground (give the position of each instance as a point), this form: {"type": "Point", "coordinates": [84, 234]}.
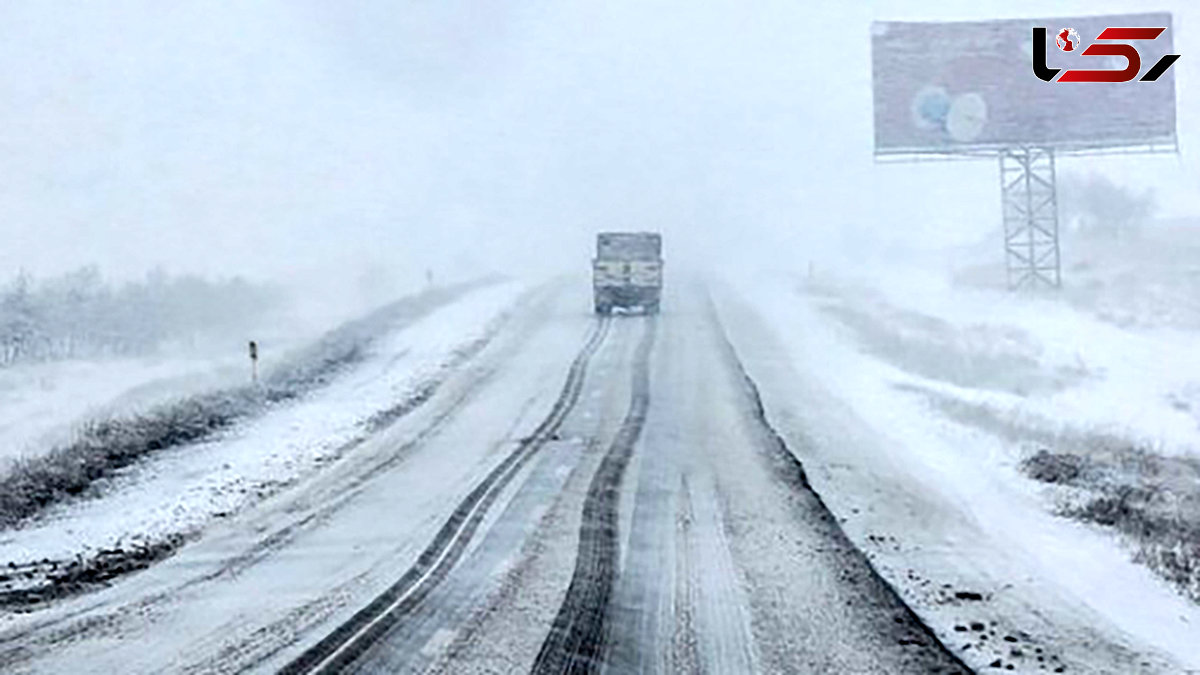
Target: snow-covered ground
{"type": "Point", "coordinates": [40, 404]}
{"type": "Point", "coordinates": [1079, 371]}
{"type": "Point", "coordinates": [180, 489]}
{"type": "Point", "coordinates": [845, 373]}
{"type": "Point", "coordinates": [43, 404]}
{"type": "Point", "coordinates": [876, 348]}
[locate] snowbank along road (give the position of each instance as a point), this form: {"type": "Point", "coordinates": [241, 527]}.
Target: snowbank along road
{"type": "Point", "coordinates": [584, 495]}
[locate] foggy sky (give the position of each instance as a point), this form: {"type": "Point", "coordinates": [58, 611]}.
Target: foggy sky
{"type": "Point", "coordinates": [275, 139]}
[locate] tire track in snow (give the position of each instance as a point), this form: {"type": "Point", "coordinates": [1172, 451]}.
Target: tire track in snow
{"type": "Point", "coordinates": [578, 639]}
{"type": "Point", "coordinates": [338, 650]}
{"type": "Point", "coordinates": [99, 617]}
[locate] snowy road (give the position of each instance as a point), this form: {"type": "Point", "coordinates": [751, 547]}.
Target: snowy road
{"type": "Point", "coordinates": [663, 507]}
{"type": "Point", "coordinates": [585, 495]}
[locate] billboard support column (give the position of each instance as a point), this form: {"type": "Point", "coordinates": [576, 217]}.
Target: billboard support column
{"type": "Point", "coordinates": [1029, 203]}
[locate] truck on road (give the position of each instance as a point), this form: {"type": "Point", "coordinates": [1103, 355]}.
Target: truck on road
{"type": "Point", "coordinates": [627, 271]}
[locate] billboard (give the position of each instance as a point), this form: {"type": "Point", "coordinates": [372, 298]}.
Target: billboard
{"type": "Point", "coordinates": [971, 86]}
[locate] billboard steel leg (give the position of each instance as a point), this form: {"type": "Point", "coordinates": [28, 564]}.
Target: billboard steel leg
{"type": "Point", "coordinates": [1030, 208]}
{"type": "Point", "coordinates": [1029, 204]}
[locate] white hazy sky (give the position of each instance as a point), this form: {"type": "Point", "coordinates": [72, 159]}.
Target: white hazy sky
{"type": "Point", "coordinates": [283, 138]}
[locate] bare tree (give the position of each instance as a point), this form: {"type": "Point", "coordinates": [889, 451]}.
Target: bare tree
{"type": "Point", "coordinates": [18, 321]}
{"type": "Point", "coordinates": [79, 315]}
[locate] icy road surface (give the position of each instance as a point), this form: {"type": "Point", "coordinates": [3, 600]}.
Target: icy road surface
{"type": "Point", "coordinates": [584, 495]}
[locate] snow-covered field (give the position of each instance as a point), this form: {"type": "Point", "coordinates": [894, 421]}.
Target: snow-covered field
{"type": "Point", "coordinates": [178, 490]}
{"type": "Point", "coordinates": [898, 354]}
{"type": "Point", "coordinates": [1040, 359]}
{"type": "Point", "coordinates": [40, 404]}
{"type": "Point", "coordinates": [43, 404]}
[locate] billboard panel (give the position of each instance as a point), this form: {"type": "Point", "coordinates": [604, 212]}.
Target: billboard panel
{"type": "Point", "coordinates": [970, 87]}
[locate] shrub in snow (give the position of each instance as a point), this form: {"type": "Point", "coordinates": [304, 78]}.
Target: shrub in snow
{"type": "Point", "coordinates": [1050, 467]}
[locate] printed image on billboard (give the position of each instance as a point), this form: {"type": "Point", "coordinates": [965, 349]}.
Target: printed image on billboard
{"type": "Point", "coordinates": [970, 86]}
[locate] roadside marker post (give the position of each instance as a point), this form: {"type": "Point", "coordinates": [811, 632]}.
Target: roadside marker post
{"type": "Point", "coordinates": [253, 361]}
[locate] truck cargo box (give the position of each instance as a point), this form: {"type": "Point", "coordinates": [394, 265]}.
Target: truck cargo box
{"type": "Point", "coordinates": [627, 271]}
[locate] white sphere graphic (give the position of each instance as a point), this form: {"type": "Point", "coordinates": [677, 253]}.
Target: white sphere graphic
{"type": "Point", "coordinates": [966, 118]}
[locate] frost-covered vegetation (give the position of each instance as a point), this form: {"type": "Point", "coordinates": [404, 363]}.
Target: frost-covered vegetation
{"type": "Point", "coordinates": [82, 315]}
{"type": "Point", "coordinates": [1151, 499]}
{"type": "Point", "coordinates": [1154, 501]}
{"type": "Point", "coordinates": [1095, 205]}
